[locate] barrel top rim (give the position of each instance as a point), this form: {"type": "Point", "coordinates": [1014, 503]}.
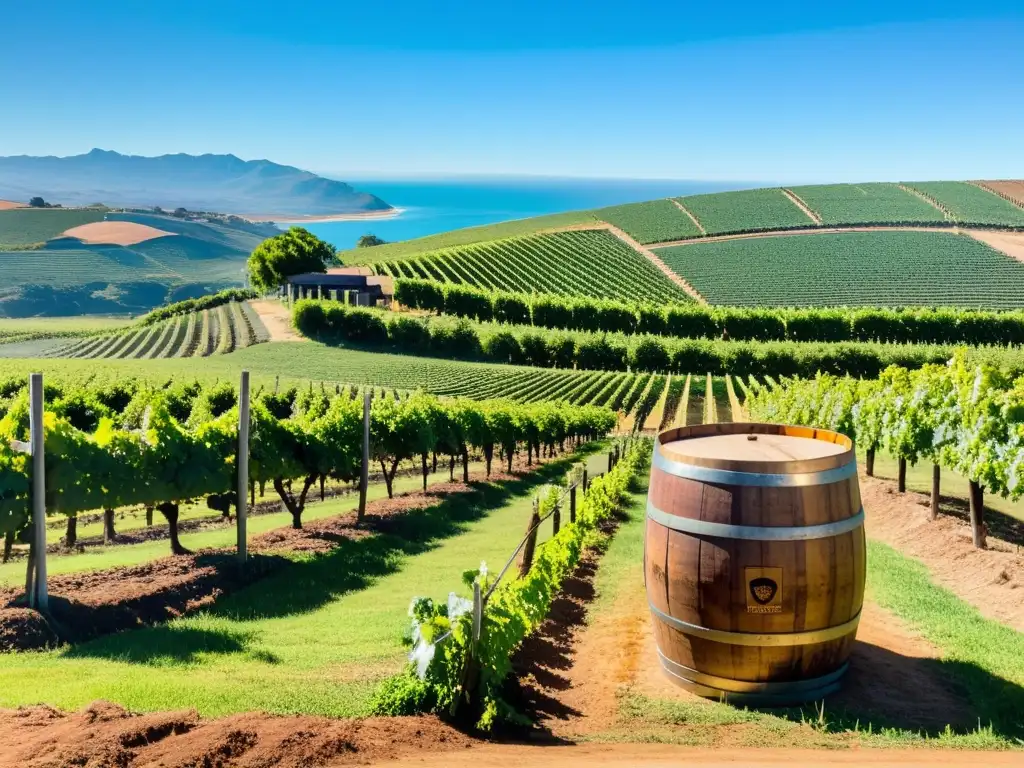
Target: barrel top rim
{"type": "Point", "coordinates": [698, 446]}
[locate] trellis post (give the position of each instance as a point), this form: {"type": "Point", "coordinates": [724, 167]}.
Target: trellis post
{"type": "Point", "coordinates": [243, 466]}
{"type": "Point", "coordinates": [364, 475]}
{"type": "Point", "coordinates": [38, 596]}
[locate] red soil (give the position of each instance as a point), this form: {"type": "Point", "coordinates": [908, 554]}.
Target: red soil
{"type": "Point", "coordinates": [991, 579]}
{"type": "Point", "coordinates": [104, 735]}
{"type": "Point", "coordinates": [7, 205]}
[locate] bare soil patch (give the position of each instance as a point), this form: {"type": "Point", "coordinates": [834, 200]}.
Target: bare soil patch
{"type": "Point", "coordinates": [105, 734]}
{"type": "Point", "coordinates": [115, 233]}
{"type": "Point", "coordinates": [277, 319]}
{"type": "Point", "coordinates": [990, 579]}
{"type": "Point", "coordinates": [7, 205]}
{"type": "Point", "coordinates": [1011, 190]}
{"type": "Point", "coordinates": [1010, 243]}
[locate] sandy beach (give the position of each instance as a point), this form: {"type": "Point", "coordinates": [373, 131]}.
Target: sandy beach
{"type": "Point", "coordinates": [292, 218]}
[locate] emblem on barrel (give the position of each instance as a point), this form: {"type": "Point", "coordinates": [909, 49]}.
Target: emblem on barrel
{"type": "Point", "coordinates": [754, 560]}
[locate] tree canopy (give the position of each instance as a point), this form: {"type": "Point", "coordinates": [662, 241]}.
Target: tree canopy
{"type": "Point", "coordinates": [290, 253]}
{"type": "Point", "coordinates": [369, 240]}
{"type": "Point", "coordinates": [37, 202]}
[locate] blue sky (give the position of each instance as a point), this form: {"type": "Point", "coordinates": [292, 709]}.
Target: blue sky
{"type": "Point", "coordinates": [754, 91]}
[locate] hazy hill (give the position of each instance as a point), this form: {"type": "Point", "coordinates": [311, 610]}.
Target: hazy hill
{"type": "Point", "coordinates": [205, 182]}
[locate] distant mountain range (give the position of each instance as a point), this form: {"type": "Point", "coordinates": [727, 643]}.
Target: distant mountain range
{"type": "Point", "coordinates": [221, 183]}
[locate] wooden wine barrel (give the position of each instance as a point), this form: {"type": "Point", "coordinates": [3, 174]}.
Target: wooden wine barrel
{"type": "Point", "coordinates": [754, 560]}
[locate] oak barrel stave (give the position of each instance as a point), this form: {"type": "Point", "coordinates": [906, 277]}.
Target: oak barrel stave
{"type": "Point", "coordinates": [702, 580]}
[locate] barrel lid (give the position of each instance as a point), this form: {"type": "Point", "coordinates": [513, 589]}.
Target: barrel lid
{"type": "Point", "coordinates": [750, 447]}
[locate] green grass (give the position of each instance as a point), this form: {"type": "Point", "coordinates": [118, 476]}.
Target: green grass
{"type": "Point", "coordinates": [846, 204]}
{"type": "Point", "coordinates": [458, 237]}
{"type": "Point", "coordinates": [969, 204]}
{"type": "Point", "coordinates": [27, 226]}
{"type": "Point", "coordinates": [99, 558]}
{"type": "Point", "coordinates": [580, 263]}
{"type": "Point", "coordinates": [315, 637]}
{"type": "Point", "coordinates": [852, 269]}
{"type": "Point", "coordinates": [985, 657]}
{"type": "Point", "coordinates": [652, 222]}
{"type": "Point", "coordinates": [751, 210]}
{"type": "Point", "coordinates": [60, 325]}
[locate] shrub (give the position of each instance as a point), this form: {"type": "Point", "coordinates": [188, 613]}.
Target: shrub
{"type": "Point", "coordinates": [512, 309]}
{"type": "Point", "coordinates": [651, 320]}
{"type": "Point", "coordinates": [503, 347]}
{"type": "Point", "coordinates": [465, 301]}
{"type": "Point", "coordinates": [691, 322]}
{"type": "Point", "coordinates": [309, 318]}
{"type": "Point", "coordinates": [616, 318]}
{"type": "Point", "coordinates": [408, 332]}
{"type": "Point", "coordinates": [536, 352]}
{"type": "Point", "coordinates": [550, 311]}
{"type": "Point", "coordinates": [364, 326]}
{"type": "Point", "coordinates": [649, 355]}
{"type": "Point", "coordinates": [561, 350]}
{"type": "Point", "coordinates": [585, 316]}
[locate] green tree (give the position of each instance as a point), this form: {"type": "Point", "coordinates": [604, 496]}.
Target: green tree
{"type": "Point", "coordinates": [37, 202]}
{"type": "Point", "coordinates": [369, 240]}
{"type": "Point", "coordinates": [291, 253]}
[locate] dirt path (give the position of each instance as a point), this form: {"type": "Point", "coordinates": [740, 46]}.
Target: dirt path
{"type": "Point", "coordinates": [693, 218]}
{"type": "Point", "coordinates": [795, 199]}
{"type": "Point", "coordinates": [809, 231]}
{"type": "Point", "coordinates": [7, 205]}
{"type": "Point", "coordinates": [277, 319]}
{"type": "Point", "coordinates": [659, 755]}
{"type": "Point", "coordinates": [990, 579]}
{"type": "Point", "coordinates": [1010, 243]}
{"type": "Point", "coordinates": [651, 257]}
{"type": "Point", "coordinates": [928, 199]}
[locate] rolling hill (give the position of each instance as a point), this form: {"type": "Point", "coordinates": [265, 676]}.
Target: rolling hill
{"type": "Point", "coordinates": [145, 261]}
{"type": "Point", "coordinates": [205, 182]}
{"type": "Point", "coordinates": [946, 243]}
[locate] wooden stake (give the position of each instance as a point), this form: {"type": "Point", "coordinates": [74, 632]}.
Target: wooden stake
{"type": "Point", "coordinates": [242, 501]}
{"type": "Point", "coordinates": [39, 598]}
{"type": "Point", "coordinates": [936, 484]}
{"type": "Point", "coordinates": [572, 504]}
{"type": "Point", "coordinates": [364, 475]}
{"type": "Point", "coordinates": [526, 560]}
{"type": "Point", "coordinates": [869, 463]}
{"type": "Point", "coordinates": [977, 499]}
{"type": "Point", "coordinates": [901, 475]}
{"type": "Point", "coordinates": [556, 520]}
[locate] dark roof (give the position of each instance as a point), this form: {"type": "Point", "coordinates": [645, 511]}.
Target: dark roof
{"type": "Point", "coordinates": [351, 282]}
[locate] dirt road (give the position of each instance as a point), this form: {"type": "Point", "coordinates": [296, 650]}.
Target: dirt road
{"type": "Point", "coordinates": [652, 755]}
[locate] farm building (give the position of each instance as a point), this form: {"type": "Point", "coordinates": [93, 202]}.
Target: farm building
{"type": "Point", "coordinates": [353, 285]}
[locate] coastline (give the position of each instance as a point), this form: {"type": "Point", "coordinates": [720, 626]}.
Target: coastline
{"type": "Point", "coordinates": [314, 218]}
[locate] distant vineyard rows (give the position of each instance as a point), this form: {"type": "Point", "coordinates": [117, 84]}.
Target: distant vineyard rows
{"type": "Point", "coordinates": [219, 330]}
{"type": "Point", "coordinates": [577, 263]}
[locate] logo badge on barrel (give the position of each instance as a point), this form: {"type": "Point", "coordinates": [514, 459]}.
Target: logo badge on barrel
{"type": "Point", "coordinates": [764, 590]}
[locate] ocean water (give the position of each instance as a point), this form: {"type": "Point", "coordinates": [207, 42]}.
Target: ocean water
{"type": "Point", "coordinates": [432, 206]}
